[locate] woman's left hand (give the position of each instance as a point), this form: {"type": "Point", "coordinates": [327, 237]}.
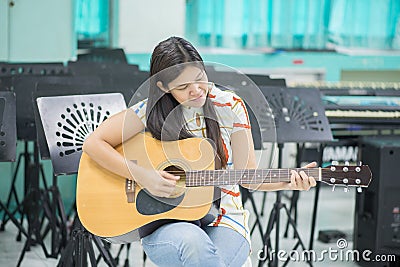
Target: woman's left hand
{"type": "Point", "coordinates": [301, 181]}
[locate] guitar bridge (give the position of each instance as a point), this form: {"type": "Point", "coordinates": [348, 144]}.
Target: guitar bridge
{"type": "Point", "coordinates": [130, 186]}
{"type": "Point", "coordinates": [130, 190]}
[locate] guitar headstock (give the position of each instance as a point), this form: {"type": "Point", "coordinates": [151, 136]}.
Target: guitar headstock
{"type": "Point", "coordinates": [359, 176]}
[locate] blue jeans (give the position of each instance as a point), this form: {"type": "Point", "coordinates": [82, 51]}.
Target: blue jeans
{"type": "Point", "coordinates": [185, 244]}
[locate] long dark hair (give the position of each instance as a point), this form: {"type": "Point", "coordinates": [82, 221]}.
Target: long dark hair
{"type": "Point", "coordinates": [171, 54]}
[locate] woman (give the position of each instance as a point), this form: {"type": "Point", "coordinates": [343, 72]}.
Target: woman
{"type": "Point", "coordinates": [182, 104]}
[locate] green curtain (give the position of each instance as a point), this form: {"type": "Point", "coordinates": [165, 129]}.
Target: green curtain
{"type": "Point", "coordinates": [366, 23]}
{"type": "Point", "coordinates": [92, 21]}
{"type": "Point", "coordinates": [293, 24]}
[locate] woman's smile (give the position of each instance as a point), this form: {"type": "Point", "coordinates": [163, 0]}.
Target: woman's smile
{"type": "Point", "coordinates": [199, 98]}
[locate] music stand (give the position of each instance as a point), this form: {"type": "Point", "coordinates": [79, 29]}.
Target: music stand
{"type": "Point", "coordinates": [58, 220]}
{"type": "Point", "coordinates": [11, 69]}
{"type": "Point", "coordinates": [8, 153]}
{"type": "Point", "coordinates": [101, 68]}
{"type": "Point", "coordinates": [24, 87]}
{"type": "Point", "coordinates": [67, 121]}
{"type": "Point", "coordinates": [104, 54]}
{"type": "Point", "coordinates": [123, 78]}
{"type": "Point", "coordinates": [76, 86]}
{"type": "Point", "coordinates": [8, 130]}
{"type": "Point", "coordinates": [265, 80]}
{"type": "Point", "coordinates": [126, 85]}
{"type": "Point", "coordinates": [262, 80]}
{"type": "Point", "coordinates": [122, 83]}
{"type": "Point", "coordinates": [8, 140]}
{"type": "Point", "coordinates": [262, 125]}
{"type": "Point", "coordinates": [6, 83]}
{"type": "Point", "coordinates": [299, 117]}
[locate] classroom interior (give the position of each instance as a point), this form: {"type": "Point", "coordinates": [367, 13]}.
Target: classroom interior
{"type": "Point", "coordinates": [321, 82]}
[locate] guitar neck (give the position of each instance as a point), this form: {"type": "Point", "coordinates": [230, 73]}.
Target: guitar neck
{"type": "Point", "coordinates": [251, 176]}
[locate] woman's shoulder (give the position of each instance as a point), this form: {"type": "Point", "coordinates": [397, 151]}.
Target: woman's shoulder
{"type": "Point", "coordinates": [221, 91]}
{"type": "Point", "coordinates": [223, 96]}
{"type": "Point", "coordinates": [139, 105]}
{"type": "Point", "coordinates": [140, 109]}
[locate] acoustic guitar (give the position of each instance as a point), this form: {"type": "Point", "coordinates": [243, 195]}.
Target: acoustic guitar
{"type": "Point", "coordinates": [110, 205]}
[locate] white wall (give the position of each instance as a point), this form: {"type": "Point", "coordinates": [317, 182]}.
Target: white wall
{"type": "Point", "coordinates": [144, 23]}
{"type": "Point", "coordinates": [3, 30]}
{"type": "Point", "coordinates": [40, 30]}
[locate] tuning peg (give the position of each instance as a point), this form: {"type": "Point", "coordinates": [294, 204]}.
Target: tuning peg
{"type": "Point", "coordinates": [359, 189]}
{"type": "Point", "coordinates": [360, 163]}
{"type": "Point", "coordinates": [334, 163]}
{"type": "Point", "coordinates": [346, 189]}
{"type": "Point", "coordinates": [347, 163]}
{"type": "Point", "coordinates": [333, 188]}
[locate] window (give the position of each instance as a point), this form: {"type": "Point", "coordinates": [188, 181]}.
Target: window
{"type": "Point", "coordinates": [92, 23]}
{"type": "Point", "coordinates": [294, 24]}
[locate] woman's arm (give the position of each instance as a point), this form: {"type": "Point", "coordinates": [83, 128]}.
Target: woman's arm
{"type": "Point", "coordinates": [244, 158]}
{"type": "Point", "coordinates": [100, 144]}
{"type": "Point", "coordinates": [112, 132]}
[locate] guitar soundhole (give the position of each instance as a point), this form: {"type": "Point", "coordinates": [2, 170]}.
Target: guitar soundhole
{"type": "Point", "coordinates": [180, 185]}
{"type": "Point", "coordinates": [148, 204]}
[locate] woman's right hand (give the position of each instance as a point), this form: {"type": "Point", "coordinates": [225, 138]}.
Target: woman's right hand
{"type": "Point", "coordinates": [158, 183]}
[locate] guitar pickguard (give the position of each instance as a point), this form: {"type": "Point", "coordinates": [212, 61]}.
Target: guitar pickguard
{"type": "Point", "coordinates": [147, 204]}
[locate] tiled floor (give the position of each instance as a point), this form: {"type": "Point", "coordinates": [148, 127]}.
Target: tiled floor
{"type": "Point", "coordinates": [335, 211]}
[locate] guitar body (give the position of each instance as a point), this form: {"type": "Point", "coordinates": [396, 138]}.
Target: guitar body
{"type": "Point", "coordinates": [107, 205]}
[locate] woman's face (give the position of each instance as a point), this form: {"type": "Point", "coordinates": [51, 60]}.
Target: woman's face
{"type": "Point", "coordinates": [191, 87]}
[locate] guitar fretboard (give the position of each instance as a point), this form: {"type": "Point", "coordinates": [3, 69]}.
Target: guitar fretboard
{"type": "Point", "coordinates": [255, 176]}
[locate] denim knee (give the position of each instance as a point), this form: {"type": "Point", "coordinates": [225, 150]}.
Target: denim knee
{"type": "Point", "coordinates": [181, 244]}
{"type": "Point", "coordinates": [197, 246]}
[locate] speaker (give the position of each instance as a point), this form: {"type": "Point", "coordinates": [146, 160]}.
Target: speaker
{"type": "Point", "coordinates": [377, 212]}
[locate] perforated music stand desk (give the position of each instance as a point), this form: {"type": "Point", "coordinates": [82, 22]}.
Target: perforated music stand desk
{"type": "Point", "coordinates": [44, 89]}
{"type": "Point", "coordinates": [126, 85]}
{"type": "Point", "coordinates": [299, 114]}
{"type": "Point", "coordinates": [68, 120]}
